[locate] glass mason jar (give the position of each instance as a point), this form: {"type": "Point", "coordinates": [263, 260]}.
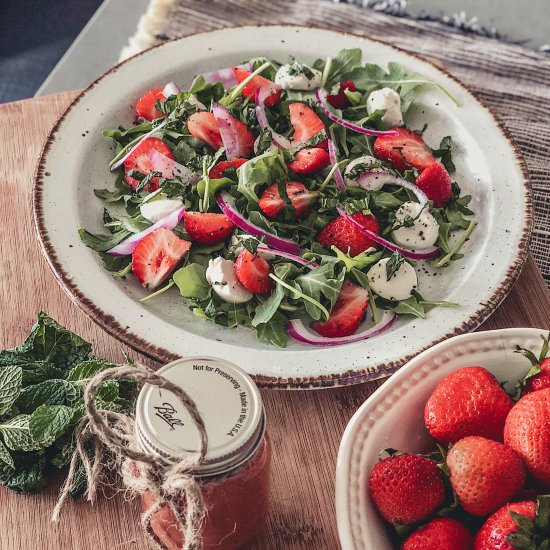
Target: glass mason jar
{"type": "Point", "coordinates": [236, 471]}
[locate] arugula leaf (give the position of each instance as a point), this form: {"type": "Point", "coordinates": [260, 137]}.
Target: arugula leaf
{"type": "Point", "coordinates": [371, 77]}
{"type": "Point", "coordinates": [261, 170]}
{"type": "Point", "coordinates": [270, 305]}
{"type": "Point", "coordinates": [342, 66]}
{"type": "Point", "coordinates": [274, 332]}
{"type": "Point", "coordinates": [444, 153]}
{"type": "Point", "coordinates": [362, 260]}
{"type": "Point", "coordinates": [213, 187]}
{"type": "Point", "coordinates": [100, 242]}
{"type": "Point", "coordinates": [191, 281]}
{"type": "Point", "coordinates": [318, 283]}
{"type": "Point", "coordinates": [410, 306]}
{"type": "Point", "coordinates": [393, 265]}
{"type": "Point", "coordinates": [11, 378]}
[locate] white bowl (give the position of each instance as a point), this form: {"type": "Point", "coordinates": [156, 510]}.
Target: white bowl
{"type": "Point", "coordinates": [75, 159]}
{"type": "Point", "coordinates": [393, 416]}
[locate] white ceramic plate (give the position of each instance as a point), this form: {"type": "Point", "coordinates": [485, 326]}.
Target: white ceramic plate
{"type": "Point", "coordinates": [393, 416]}
{"type": "Point", "coordinates": [74, 162]}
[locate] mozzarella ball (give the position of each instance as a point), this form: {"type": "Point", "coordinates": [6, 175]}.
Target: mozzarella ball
{"type": "Point", "coordinates": [221, 276]}
{"type": "Point", "coordinates": [386, 100]}
{"type": "Point", "coordinates": [424, 231]}
{"type": "Point", "coordinates": [399, 287]}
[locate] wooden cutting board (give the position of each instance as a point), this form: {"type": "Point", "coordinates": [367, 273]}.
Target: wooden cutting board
{"type": "Point", "coordinates": [305, 427]}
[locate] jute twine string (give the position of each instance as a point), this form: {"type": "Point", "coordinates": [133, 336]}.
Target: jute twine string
{"type": "Point", "coordinates": [172, 485]}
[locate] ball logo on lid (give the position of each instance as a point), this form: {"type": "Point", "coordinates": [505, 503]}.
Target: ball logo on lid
{"type": "Point", "coordinates": [167, 411]}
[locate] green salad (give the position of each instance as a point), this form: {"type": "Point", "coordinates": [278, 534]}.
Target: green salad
{"type": "Point", "coordinates": [288, 198]}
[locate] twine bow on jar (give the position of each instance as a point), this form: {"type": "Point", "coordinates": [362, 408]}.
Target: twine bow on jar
{"type": "Point", "coordinates": [172, 485]}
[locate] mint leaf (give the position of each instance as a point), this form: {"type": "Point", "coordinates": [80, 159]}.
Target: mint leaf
{"type": "Point", "coordinates": [16, 434]}
{"type": "Point", "coordinates": [47, 422]}
{"type": "Point", "coordinates": [5, 455]}
{"type": "Point", "coordinates": [48, 341]}
{"type": "Point", "coordinates": [444, 153]}
{"type": "Point", "coordinates": [86, 370]}
{"type": "Point", "coordinates": [50, 392]}
{"type": "Point", "coordinates": [191, 281]}
{"type": "Point", "coordinates": [10, 386]}
{"type": "Point", "coordinates": [29, 475]}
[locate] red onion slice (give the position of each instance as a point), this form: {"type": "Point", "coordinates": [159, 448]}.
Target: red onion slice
{"type": "Point", "coordinates": [170, 89]}
{"type": "Point", "coordinates": [231, 140]}
{"type": "Point", "coordinates": [297, 330]}
{"type": "Point", "coordinates": [225, 76]}
{"type": "Point", "coordinates": [428, 254]}
{"type": "Point", "coordinates": [277, 139]}
{"type": "Point", "coordinates": [293, 257]}
{"type": "Point", "coordinates": [365, 180]}
{"type": "Point", "coordinates": [340, 184]}
{"type": "Point", "coordinates": [169, 168]}
{"type": "Point", "coordinates": [321, 97]}
{"type": "Point", "coordinates": [129, 245]}
{"type": "Point", "coordinates": [227, 205]}
{"type": "Point", "coordinates": [120, 161]}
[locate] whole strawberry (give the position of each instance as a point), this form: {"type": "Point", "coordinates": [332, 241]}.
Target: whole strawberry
{"type": "Point", "coordinates": [440, 534]}
{"type": "Point", "coordinates": [484, 474]}
{"type": "Point", "coordinates": [470, 401]}
{"type": "Point", "coordinates": [517, 525]}
{"type": "Point", "coordinates": [527, 431]}
{"type": "Point", "coordinates": [406, 488]}
{"type": "Point", "coordinates": [538, 377]}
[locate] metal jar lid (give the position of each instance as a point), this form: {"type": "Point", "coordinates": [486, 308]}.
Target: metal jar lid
{"type": "Point", "coordinates": [228, 401]}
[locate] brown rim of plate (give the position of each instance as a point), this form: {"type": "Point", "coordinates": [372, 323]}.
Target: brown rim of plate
{"type": "Point", "coordinates": [109, 323]}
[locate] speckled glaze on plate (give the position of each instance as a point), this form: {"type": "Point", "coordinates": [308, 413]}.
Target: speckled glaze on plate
{"type": "Point", "coordinates": [74, 162]}
{"type": "Point", "coordinates": [393, 416]}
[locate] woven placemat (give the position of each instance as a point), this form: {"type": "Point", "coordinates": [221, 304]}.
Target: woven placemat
{"type": "Point", "coordinates": [512, 80]}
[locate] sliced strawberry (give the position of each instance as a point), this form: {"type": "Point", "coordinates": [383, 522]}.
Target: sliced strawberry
{"type": "Point", "coordinates": [239, 136]}
{"type": "Point", "coordinates": [217, 171]}
{"type": "Point", "coordinates": [436, 183]}
{"type": "Point", "coordinates": [404, 150]}
{"type": "Point", "coordinates": [253, 273]}
{"type": "Point", "coordinates": [271, 203]}
{"type": "Point", "coordinates": [340, 100]}
{"type": "Point", "coordinates": [347, 313]}
{"type": "Point", "coordinates": [156, 256]}
{"type": "Point", "coordinates": [342, 234]}
{"type": "Point", "coordinates": [145, 107]}
{"type": "Point", "coordinates": [306, 124]}
{"type": "Point", "coordinates": [255, 84]}
{"type": "Point", "coordinates": [140, 160]}
{"type": "Point", "coordinates": [207, 228]}
{"type": "Point", "coordinates": [309, 160]}
{"type": "Point", "coordinates": [203, 126]}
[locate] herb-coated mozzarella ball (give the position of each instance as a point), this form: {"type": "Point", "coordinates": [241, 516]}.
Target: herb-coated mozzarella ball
{"type": "Point", "coordinates": [352, 174]}
{"type": "Point", "coordinates": [399, 287]}
{"type": "Point", "coordinates": [155, 210]}
{"type": "Point", "coordinates": [419, 229]}
{"type": "Point", "coordinates": [387, 100]}
{"type": "Point", "coordinates": [220, 275]}
{"type": "Point", "coordinates": [288, 78]}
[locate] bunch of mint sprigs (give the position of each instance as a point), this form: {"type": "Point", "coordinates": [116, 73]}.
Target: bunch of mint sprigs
{"type": "Point", "coordinates": [41, 401]}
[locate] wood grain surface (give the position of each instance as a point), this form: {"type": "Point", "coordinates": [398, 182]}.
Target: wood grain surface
{"type": "Point", "coordinates": [305, 427]}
